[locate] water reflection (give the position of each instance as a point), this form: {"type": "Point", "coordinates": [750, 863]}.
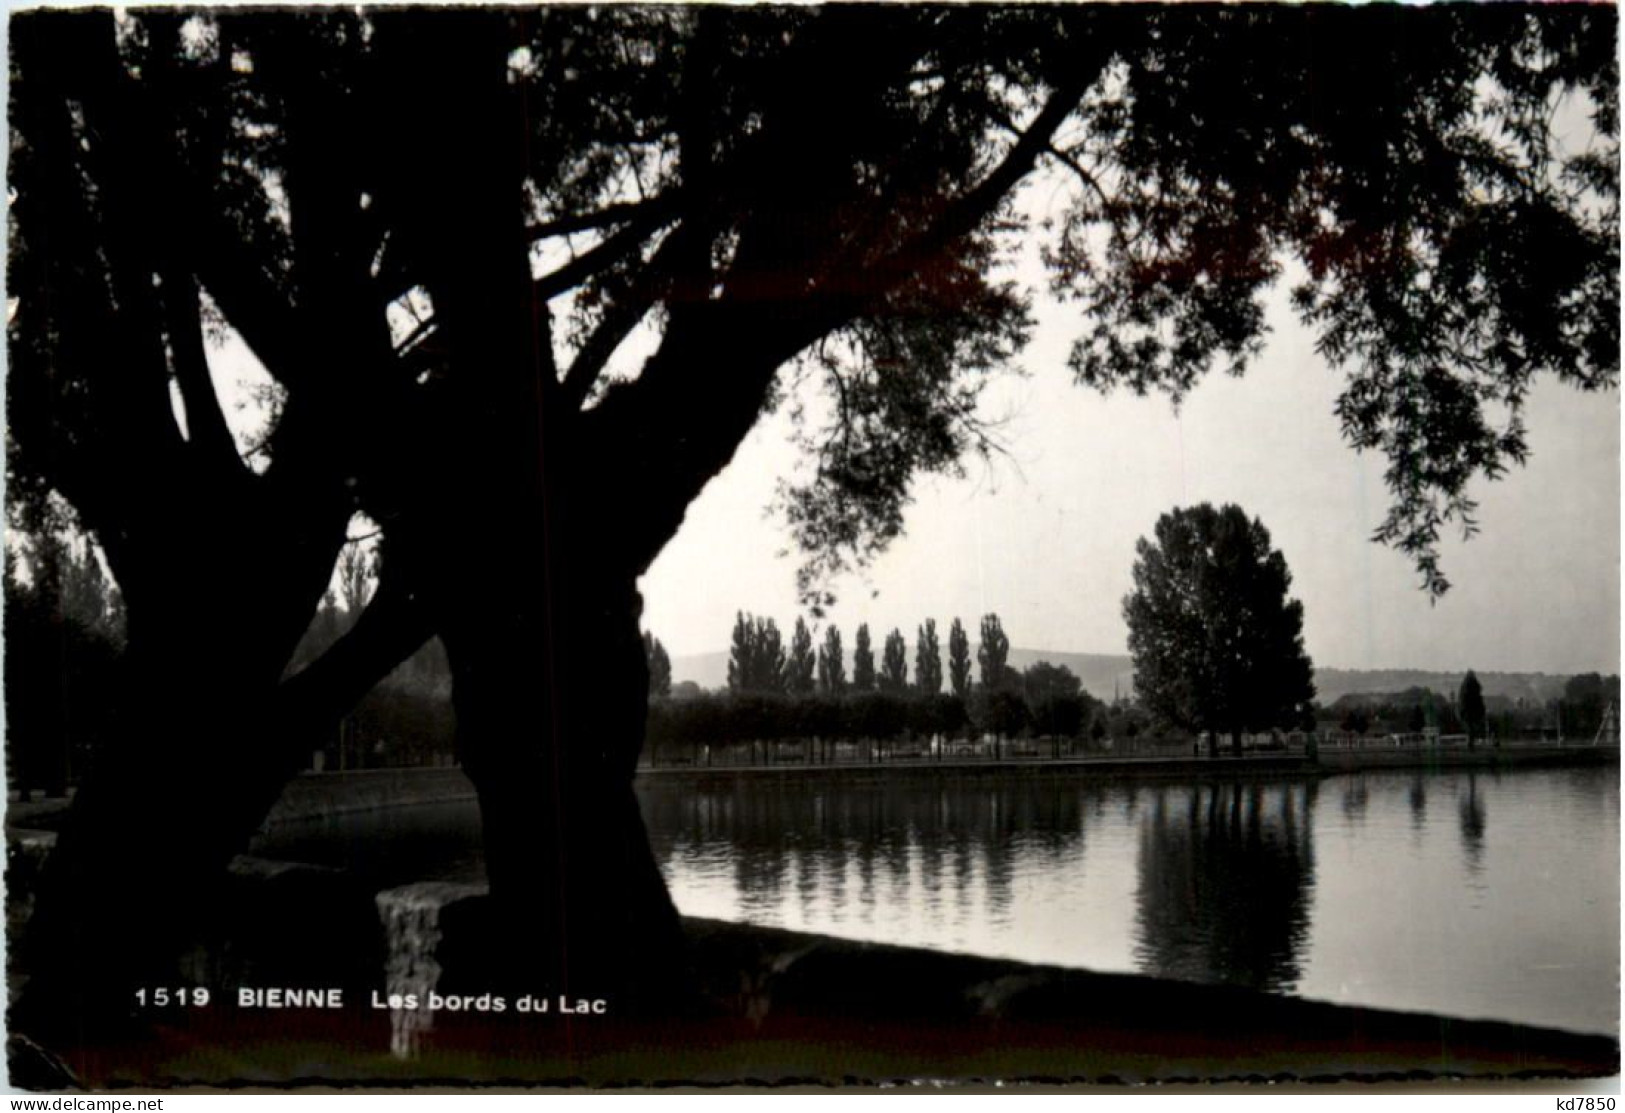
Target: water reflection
{"type": "Point", "coordinates": [1356, 796]}
{"type": "Point", "coordinates": [1419, 802]}
{"type": "Point", "coordinates": [1394, 890]}
{"type": "Point", "coordinates": [840, 853]}
{"type": "Point", "coordinates": [1472, 825]}
{"type": "Point", "coordinates": [1226, 872]}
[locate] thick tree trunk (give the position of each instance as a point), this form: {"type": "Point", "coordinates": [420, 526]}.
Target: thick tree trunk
{"type": "Point", "coordinates": [551, 697]}
{"type": "Point", "coordinates": [207, 734]}
{"type": "Point", "coordinates": [170, 798]}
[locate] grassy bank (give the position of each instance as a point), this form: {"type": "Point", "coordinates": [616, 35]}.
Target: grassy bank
{"type": "Point", "coordinates": [316, 795]}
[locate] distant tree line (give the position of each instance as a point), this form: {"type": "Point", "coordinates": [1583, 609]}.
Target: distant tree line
{"type": "Point", "coordinates": [1577, 714]}
{"type": "Point", "coordinates": [64, 632]}
{"type": "Point", "coordinates": [758, 661]}
{"type": "Point", "coordinates": [778, 693]}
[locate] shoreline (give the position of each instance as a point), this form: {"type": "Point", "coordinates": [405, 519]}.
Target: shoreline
{"type": "Point", "coordinates": [314, 795]}
{"type": "Point", "coordinates": [310, 796]}
{"type": "Point", "coordinates": [786, 1006]}
{"type": "Point", "coordinates": [1329, 763]}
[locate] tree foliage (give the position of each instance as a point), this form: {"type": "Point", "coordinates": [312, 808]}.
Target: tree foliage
{"type": "Point", "coordinates": [358, 575]}
{"type": "Point", "coordinates": [863, 661]}
{"type": "Point", "coordinates": [1055, 699]}
{"type": "Point", "coordinates": [1217, 644]}
{"type": "Point", "coordinates": [893, 676]}
{"type": "Point", "coordinates": [831, 663]}
{"type": "Point", "coordinates": [1470, 704]}
{"type": "Point", "coordinates": [1586, 698]}
{"type": "Point", "coordinates": [928, 659]}
{"type": "Point", "coordinates": [801, 664]}
{"type": "Point", "coordinates": [959, 663]}
{"type": "Point", "coordinates": [756, 659]}
{"type": "Point", "coordinates": [993, 653]}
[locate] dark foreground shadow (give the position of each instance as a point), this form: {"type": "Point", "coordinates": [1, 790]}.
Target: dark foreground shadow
{"type": "Point", "coordinates": [782, 1008]}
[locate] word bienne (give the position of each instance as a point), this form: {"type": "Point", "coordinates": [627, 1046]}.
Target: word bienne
{"type": "Point", "coordinates": [249, 997]}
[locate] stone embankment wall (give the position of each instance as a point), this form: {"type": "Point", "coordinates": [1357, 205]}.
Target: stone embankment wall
{"type": "Point", "coordinates": [313, 795]}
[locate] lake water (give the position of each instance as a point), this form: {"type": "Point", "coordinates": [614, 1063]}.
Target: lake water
{"type": "Point", "coordinates": [1467, 893]}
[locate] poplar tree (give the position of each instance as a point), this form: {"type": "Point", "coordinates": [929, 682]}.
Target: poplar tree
{"type": "Point", "coordinates": [959, 661]}
{"type": "Point", "coordinates": [863, 661]}
{"type": "Point", "coordinates": [894, 664]}
{"type": "Point", "coordinates": [993, 654]}
{"type": "Point", "coordinates": [831, 663]}
{"type": "Point", "coordinates": [927, 659]}
{"type": "Point", "coordinates": [801, 664]}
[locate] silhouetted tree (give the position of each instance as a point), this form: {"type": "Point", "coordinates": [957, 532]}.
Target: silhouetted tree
{"type": "Point", "coordinates": [1416, 722]}
{"type": "Point", "coordinates": [1585, 699]}
{"type": "Point", "coordinates": [742, 654]}
{"type": "Point", "coordinates": [769, 671]}
{"type": "Point", "coordinates": [959, 666]}
{"type": "Point", "coordinates": [928, 659]}
{"type": "Point", "coordinates": [1001, 712]}
{"type": "Point", "coordinates": [1471, 702]}
{"type": "Point", "coordinates": [993, 654]}
{"type": "Point", "coordinates": [358, 573]}
{"type": "Point", "coordinates": [254, 171]}
{"type": "Point", "coordinates": [659, 666]}
{"type": "Point", "coordinates": [1042, 680]}
{"type": "Point", "coordinates": [863, 661]}
{"type": "Point", "coordinates": [801, 664]}
{"type": "Point", "coordinates": [1056, 704]}
{"type": "Point", "coordinates": [1217, 644]}
{"type": "Point", "coordinates": [831, 663]}
{"type": "Point", "coordinates": [894, 664]}
{"type": "Point", "coordinates": [756, 657]}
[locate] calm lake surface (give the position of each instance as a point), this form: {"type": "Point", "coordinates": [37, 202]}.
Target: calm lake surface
{"type": "Point", "coordinates": [1473, 894]}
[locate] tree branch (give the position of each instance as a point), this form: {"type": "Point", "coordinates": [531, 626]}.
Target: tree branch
{"type": "Point", "coordinates": [652, 209]}
{"type": "Point", "coordinates": [258, 311]}
{"type": "Point", "coordinates": [390, 630]}
{"type": "Point", "coordinates": [696, 434]}
{"type": "Point", "coordinates": [418, 334]}
{"type": "Point", "coordinates": [1076, 167]}
{"type": "Point", "coordinates": [599, 258]}
{"type": "Point", "coordinates": [206, 426]}
{"type": "Point", "coordinates": [968, 210]}
{"type": "Point", "coordinates": [622, 317]}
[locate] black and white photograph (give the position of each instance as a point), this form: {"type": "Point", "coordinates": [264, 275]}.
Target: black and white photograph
{"type": "Point", "coordinates": [854, 546]}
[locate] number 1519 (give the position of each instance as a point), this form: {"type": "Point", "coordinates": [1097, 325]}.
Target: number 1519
{"type": "Point", "coordinates": [163, 995]}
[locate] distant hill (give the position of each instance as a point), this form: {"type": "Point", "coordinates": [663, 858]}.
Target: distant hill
{"type": "Point", "coordinates": [708, 670]}
{"type": "Point", "coordinates": [1103, 674]}
{"type": "Point", "coordinates": [1534, 687]}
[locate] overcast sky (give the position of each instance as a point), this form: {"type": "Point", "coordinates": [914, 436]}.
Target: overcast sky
{"type": "Point", "coordinates": [1046, 539]}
